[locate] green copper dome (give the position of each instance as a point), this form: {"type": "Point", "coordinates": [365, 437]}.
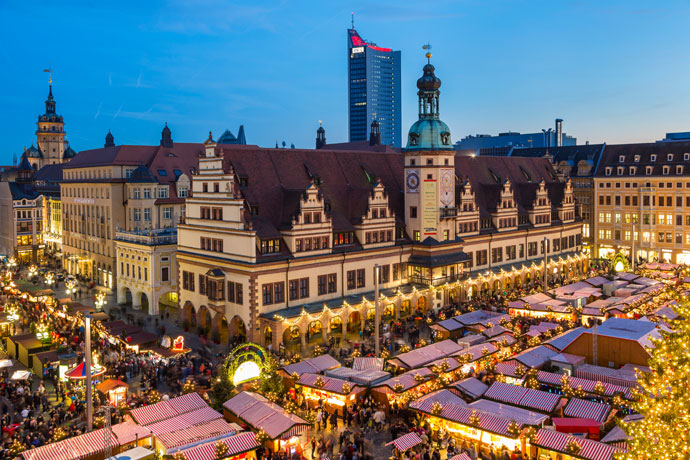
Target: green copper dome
{"type": "Point", "coordinates": [429, 132]}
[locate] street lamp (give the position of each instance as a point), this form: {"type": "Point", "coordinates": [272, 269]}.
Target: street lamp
{"type": "Point", "coordinates": [50, 277]}
{"type": "Point", "coordinates": [100, 300]}
{"type": "Point", "coordinates": [71, 285]}
{"type": "Point", "coordinates": [42, 333]}
{"type": "Point", "coordinates": [33, 269]}
{"type": "Point", "coordinates": [12, 262]}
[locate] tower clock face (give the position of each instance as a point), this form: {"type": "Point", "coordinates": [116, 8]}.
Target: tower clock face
{"type": "Point", "coordinates": [447, 178]}
{"type": "Point", "coordinates": [412, 181]}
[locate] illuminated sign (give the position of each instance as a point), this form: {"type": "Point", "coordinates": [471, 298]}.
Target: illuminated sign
{"type": "Point", "coordinates": [178, 344]}
{"type": "Point", "coordinates": [246, 371]}
{"type": "Point", "coordinates": [359, 49]}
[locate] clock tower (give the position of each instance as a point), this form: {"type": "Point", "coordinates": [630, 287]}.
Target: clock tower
{"type": "Point", "coordinates": [429, 167]}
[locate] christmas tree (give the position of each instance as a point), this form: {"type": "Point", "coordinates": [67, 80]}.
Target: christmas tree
{"type": "Point", "coordinates": [221, 390]}
{"type": "Point", "coordinates": [221, 450]}
{"type": "Point", "coordinates": [664, 397]}
{"type": "Point", "coordinates": [270, 380]}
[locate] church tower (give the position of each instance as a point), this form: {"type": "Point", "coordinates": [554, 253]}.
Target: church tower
{"type": "Point", "coordinates": [429, 167]}
{"type": "Point", "coordinates": [50, 134]}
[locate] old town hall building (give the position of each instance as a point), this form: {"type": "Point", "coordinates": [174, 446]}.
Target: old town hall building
{"type": "Point", "coordinates": [280, 245]}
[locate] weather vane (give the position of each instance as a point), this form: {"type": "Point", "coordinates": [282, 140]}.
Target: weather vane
{"type": "Point", "coordinates": [50, 75]}
{"type": "Point", "coordinates": [427, 47]}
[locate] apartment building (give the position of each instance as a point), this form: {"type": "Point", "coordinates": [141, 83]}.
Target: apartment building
{"type": "Point", "coordinates": [643, 202]}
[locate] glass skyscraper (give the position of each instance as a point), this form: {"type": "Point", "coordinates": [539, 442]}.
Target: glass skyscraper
{"type": "Point", "coordinates": [373, 90]}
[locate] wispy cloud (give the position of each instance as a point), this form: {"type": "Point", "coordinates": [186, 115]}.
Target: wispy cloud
{"type": "Point", "coordinates": [117, 114]}
{"type": "Point", "coordinates": [194, 17]}
{"type": "Point", "coordinates": [98, 111]}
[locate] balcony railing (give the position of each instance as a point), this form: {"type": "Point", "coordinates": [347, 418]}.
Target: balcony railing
{"type": "Point", "coordinates": [448, 213]}
{"type": "Point", "coordinates": [437, 281]}
{"type": "Point", "coordinates": [148, 237]}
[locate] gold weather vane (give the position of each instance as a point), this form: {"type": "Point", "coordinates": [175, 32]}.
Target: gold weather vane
{"type": "Point", "coordinates": [427, 47]}
{"type": "Point", "coordinates": [50, 75]}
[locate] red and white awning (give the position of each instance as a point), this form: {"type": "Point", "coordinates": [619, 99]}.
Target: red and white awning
{"type": "Point", "coordinates": [461, 457]}
{"type": "Point", "coordinates": [582, 408]}
{"type": "Point", "coordinates": [237, 444]}
{"type": "Point", "coordinates": [405, 442]}
{"type": "Point", "coordinates": [187, 403]}
{"type": "Point", "coordinates": [590, 450]}
{"type": "Point", "coordinates": [153, 413]}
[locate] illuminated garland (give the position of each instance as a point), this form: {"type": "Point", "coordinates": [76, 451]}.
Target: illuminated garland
{"type": "Point", "coordinates": [572, 448]}
{"type": "Point", "coordinates": [436, 408]}
{"type": "Point", "coordinates": [513, 429]}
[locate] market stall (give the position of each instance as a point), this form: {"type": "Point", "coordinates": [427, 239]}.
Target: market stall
{"type": "Point", "coordinates": [240, 446]}
{"type": "Point", "coordinates": [447, 413]}
{"type": "Point", "coordinates": [405, 387]}
{"type": "Point", "coordinates": [331, 393]}
{"type": "Point", "coordinates": [553, 445]}
{"type": "Point", "coordinates": [404, 443]}
{"type": "Point", "coordinates": [285, 432]}
{"type": "Point", "coordinates": [114, 390]}
{"type": "Point", "coordinates": [425, 355]}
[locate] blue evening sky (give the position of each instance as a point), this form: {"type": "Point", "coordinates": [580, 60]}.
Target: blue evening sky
{"type": "Point", "coordinates": [615, 71]}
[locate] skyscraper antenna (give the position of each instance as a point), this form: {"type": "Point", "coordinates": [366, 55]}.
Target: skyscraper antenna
{"type": "Point", "coordinates": [353, 19]}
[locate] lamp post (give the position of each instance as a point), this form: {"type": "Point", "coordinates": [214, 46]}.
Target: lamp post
{"type": "Point", "coordinates": [100, 300]}
{"type": "Point", "coordinates": [546, 253]}
{"type": "Point", "coordinates": [32, 271]}
{"type": "Point", "coordinates": [377, 269]}
{"type": "Point", "coordinates": [50, 278]}
{"type": "Point", "coordinates": [71, 285]}
{"type": "Point", "coordinates": [87, 365]}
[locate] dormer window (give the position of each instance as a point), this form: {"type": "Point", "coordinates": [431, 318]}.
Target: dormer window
{"type": "Point", "coordinates": [666, 170]}
{"type": "Point", "coordinates": [648, 170]}
{"type": "Point", "coordinates": [633, 170]}
{"type": "Point", "coordinates": [652, 157]}
{"type": "Point", "coordinates": [621, 158]}
{"type": "Point", "coordinates": [608, 171]}
{"type": "Point", "coordinates": [620, 170]}
{"type": "Point", "coordinates": [679, 169]}
{"type": "Point", "coordinates": [669, 157]}
{"type": "Point", "coordinates": [637, 158]}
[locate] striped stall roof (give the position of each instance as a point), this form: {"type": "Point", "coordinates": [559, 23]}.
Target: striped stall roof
{"type": "Point", "coordinates": [471, 387]}
{"type": "Point", "coordinates": [520, 415]}
{"type": "Point", "coordinates": [91, 443]}
{"type": "Point", "coordinates": [505, 392]}
{"type": "Point", "coordinates": [205, 431]}
{"type": "Point", "coordinates": [619, 377]}
{"type": "Point", "coordinates": [153, 413]}
{"type": "Point", "coordinates": [478, 351]}
{"type": "Point", "coordinates": [260, 413]}
{"type": "Point", "coordinates": [314, 365]}
{"type": "Point", "coordinates": [203, 415]}
{"type": "Point", "coordinates": [453, 364]}
{"type": "Point", "coordinates": [129, 432]}
{"type": "Point", "coordinates": [367, 363]}
{"type": "Point", "coordinates": [540, 400]}
{"type": "Point", "coordinates": [406, 441]}
{"type": "Point", "coordinates": [330, 384]}
{"type": "Point", "coordinates": [462, 456]}
{"type": "Point", "coordinates": [424, 355]}
{"type": "Point", "coordinates": [168, 426]}
{"type": "Point", "coordinates": [237, 444]}
{"type": "Point", "coordinates": [187, 403]}
{"type": "Point", "coordinates": [590, 450]}
{"type": "Point", "coordinates": [525, 397]}
{"type": "Point", "coordinates": [294, 431]}
{"type": "Point", "coordinates": [407, 380]}
{"type": "Point", "coordinates": [582, 408]}
{"type": "Point", "coordinates": [56, 451]}
{"type": "Point", "coordinates": [553, 379]}
{"type": "Point", "coordinates": [443, 397]}
{"type": "Point", "coordinates": [461, 414]}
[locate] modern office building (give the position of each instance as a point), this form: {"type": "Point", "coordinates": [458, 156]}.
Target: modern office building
{"type": "Point", "coordinates": [373, 76]}
{"type": "Point", "coordinates": [281, 246]}
{"type": "Point", "coordinates": [501, 145]}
